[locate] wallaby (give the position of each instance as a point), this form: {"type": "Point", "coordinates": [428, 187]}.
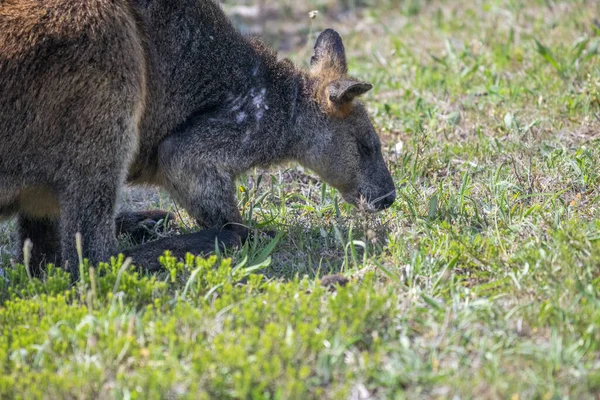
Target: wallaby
{"type": "Point", "coordinates": [98, 93]}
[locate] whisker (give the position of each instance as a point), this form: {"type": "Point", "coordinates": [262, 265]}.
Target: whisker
{"type": "Point", "coordinates": [383, 196]}
{"type": "Point", "coordinates": [374, 201]}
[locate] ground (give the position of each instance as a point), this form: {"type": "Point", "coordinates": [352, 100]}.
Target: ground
{"type": "Point", "coordinates": [481, 281]}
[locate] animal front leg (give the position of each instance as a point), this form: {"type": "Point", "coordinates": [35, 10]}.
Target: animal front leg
{"type": "Point", "coordinates": [203, 188]}
{"type": "Point", "coordinates": [209, 198]}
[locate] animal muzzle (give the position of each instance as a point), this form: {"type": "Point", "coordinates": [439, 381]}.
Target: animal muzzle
{"type": "Point", "coordinates": [374, 204]}
{"type": "Point", "coordinates": [384, 201]}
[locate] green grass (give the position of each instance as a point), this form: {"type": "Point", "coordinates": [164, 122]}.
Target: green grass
{"type": "Point", "coordinates": [482, 281]}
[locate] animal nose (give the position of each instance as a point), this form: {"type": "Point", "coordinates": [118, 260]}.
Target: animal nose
{"type": "Point", "coordinates": [386, 201]}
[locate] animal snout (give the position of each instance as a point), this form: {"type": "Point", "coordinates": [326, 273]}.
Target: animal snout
{"type": "Point", "coordinates": [385, 201]}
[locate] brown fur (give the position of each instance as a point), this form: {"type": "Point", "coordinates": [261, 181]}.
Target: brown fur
{"type": "Point", "coordinates": [97, 93]}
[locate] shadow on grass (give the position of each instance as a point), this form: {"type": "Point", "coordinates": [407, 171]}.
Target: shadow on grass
{"type": "Point", "coordinates": [297, 250]}
{"type": "Point", "coordinates": [312, 247]}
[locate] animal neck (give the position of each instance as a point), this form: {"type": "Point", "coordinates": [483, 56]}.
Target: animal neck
{"type": "Point", "coordinates": [263, 112]}
{"type": "Point", "coordinates": [283, 127]}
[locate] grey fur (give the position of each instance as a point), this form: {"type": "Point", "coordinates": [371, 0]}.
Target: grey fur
{"type": "Point", "coordinates": [97, 93]}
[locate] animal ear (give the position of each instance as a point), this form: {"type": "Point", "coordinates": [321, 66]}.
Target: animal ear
{"type": "Point", "coordinates": [329, 53]}
{"type": "Point", "coordinates": [343, 91]}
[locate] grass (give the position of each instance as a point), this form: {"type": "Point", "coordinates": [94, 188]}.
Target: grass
{"type": "Point", "coordinates": [482, 281]}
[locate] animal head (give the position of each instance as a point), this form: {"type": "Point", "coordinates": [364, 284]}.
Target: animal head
{"type": "Point", "coordinates": [347, 151]}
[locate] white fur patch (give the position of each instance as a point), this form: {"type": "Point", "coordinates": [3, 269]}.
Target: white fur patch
{"type": "Point", "coordinates": [241, 117]}
{"type": "Point", "coordinates": [258, 100]}
{"type": "Point", "coordinates": [254, 102]}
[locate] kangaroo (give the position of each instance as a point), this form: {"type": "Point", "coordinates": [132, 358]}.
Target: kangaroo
{"type": "Point", "coordinates": [95, 94]}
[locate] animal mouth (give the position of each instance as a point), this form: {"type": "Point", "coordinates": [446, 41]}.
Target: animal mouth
{"type": "Point", "coordinates": [371, 205]}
